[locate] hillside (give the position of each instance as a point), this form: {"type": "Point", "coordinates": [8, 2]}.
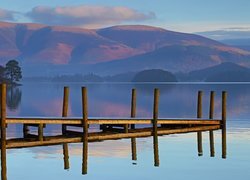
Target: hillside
{"type": "Point", "coordinates": [223, 72]}
{"type": "Point", "coordinates": [111, 50]}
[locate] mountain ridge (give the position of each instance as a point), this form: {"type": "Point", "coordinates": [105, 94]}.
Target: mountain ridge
{"type": "Point", "coordinates": [137, 46]}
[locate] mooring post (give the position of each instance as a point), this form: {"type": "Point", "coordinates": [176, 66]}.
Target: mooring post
{"type": "Point", "coordinates": [132, 115]}
{"type": "Point", "coordinates": [199, 115]}
{"type": "Point", "coordinates": [66, 155]}
{"type": "Point", "coordinates": [40, 132]}
{"type": "Point", "coordinates": [65, 107]}
{"type": "Point", "coordinates": [211, 116]}
{"type": "Point", "coordinates": [133, 106]}
{"type": "Point", "coordinates": [155, 131]}
{"type": "Point", "coordinates": [224, 118]}
{"type": "Point", "coordinates": [3, 132]}
{"type": "Point", "coordinates": [85, 130]}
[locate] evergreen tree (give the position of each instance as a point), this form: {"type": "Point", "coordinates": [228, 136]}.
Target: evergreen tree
{"type": "Point", "coordinates": [13, 71]}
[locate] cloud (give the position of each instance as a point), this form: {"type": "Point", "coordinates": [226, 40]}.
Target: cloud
{"type": "Point", "coordinates": [6, 15]}
{"type": "Point", "coordinates": [227, 33]}
{"type": "Point", "coordinates": [86, 15]}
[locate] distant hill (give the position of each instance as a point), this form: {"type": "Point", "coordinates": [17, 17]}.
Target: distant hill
{"type": "Point", "coordinates": [229, 76]}
{"type": "Point", "coordinates": [223, 72]}
{"type": "Point", "coordinates": [240, 43]}
{"type": "Point", "coordinates": [173, 58]}
{"type": "Point", "coordinates": [154, 75]}
{"type": "Point", "coordinates": [57, 50]}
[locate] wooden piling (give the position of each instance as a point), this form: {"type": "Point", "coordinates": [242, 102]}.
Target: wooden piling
{"type": "Point", "coordinates": [199, 115]}
{"type": "Point", "coordinates": [3, 132]}
{"type": "Point", "coordinates": [133, 106]}
{"type": "Point", "coordinates": [66, 155]}
{"type": "Point", "coordinates": [155, 129]}
{"type": "Point", "coordinates": [85, 130]}
{"type": "Point", "coordinates": [224, 134]}
{"type": "Point", "coordinates": [40, 132]}
{"type": "Point", "coordinates": [211, 116]}
{"type": "Point", "coordinates": [224, 108]}
{"type": "Point", "coordinates": [84, 109]}
{"type": "Point", "coordinates": [65, 106]}
{"type": "Point", "coordinates": [132, 115]}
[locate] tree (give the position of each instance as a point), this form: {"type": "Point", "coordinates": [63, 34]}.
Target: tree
{"type": "Point", "coordinates": [13, 71]}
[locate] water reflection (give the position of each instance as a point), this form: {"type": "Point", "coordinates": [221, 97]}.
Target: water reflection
{"type": "Point", "coordinates": [14, 96]}
{"type": "Point", "coordinates": [33, 140]}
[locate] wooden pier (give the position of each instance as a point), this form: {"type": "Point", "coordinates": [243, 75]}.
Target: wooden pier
{"type": "Point", "coordinates": [112, 128]}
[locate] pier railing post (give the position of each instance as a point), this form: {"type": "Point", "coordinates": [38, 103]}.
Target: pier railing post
{"type": "Point", "coordinates": [155, 131]}
{"type": "Point", "coordinates": [211, 116]}
{"type": "Point", "coordinates": [132, 115]}
{"type": "Point", "coordinates": [65, 106]}
{"type": "Point", "coordinates": [224, 118]}
{"type": "Point", "coordinates": [199, 115]}
{"type": "Point", "coordinates": [85, 129]}
{"type": "Point", "coordinates": [133, 106]}
{"type": "Point", "coordinates": [3, 132]}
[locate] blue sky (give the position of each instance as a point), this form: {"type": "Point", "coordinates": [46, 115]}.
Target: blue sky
{"type": "Point", "coordinates": [178, 15]}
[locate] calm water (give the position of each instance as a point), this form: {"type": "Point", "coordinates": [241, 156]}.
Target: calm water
{"type": "Point", "coordinates": [112, 159]}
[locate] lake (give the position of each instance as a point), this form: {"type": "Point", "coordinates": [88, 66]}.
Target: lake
{"type": "Point", "coordinates": [178, 154]}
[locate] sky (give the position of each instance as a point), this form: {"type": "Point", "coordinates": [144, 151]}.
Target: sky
{"type": "Point", "coordinates": [215, 17]}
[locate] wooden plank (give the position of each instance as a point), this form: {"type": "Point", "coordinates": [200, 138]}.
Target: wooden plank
{"type": "Point", "coordinates": [44, 120]}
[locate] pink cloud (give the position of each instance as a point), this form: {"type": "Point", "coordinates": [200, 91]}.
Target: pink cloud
{"type": "Point", "coordinates": [6, 14]}
{"type": "Point", "coordinates": [86, 15]}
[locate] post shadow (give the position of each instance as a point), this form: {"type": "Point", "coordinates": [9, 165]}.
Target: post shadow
{"type": "Point", "coordinates": [66, 155]}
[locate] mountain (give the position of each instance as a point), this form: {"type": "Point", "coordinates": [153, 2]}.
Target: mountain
{"type": "Point", "coordinates": [175, 58]}
{"type": "Point", "coordinates": [222, 72]}
{"type": "Point", "coordinates": [58, 49]}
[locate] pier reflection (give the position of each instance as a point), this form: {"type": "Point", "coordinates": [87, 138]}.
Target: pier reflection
{"type": "Point", "coordinates": [33, 140]}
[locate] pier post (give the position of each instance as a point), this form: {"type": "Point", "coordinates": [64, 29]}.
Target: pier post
{"type": "Point", "coordinates": [211, 116]}
{"type": "Point", "coordinates": [85, 130]}
{"type": "Point", "coordinates": [133, 106]}
{"type": "Point", "coordinates": [155, 131]}
{"type": "Point", "coordinates": [65, 107]}
{"type": "Point", "coordinates": [40, 132]}
{"type": "Point", "coordinates": [3, 132]}
{"type": "Point", "coordinates": [132, 115]}
{"type": "Point", "coordinates": [224, 117]}
{"type": "Point", "coordinates": [199, 115]}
